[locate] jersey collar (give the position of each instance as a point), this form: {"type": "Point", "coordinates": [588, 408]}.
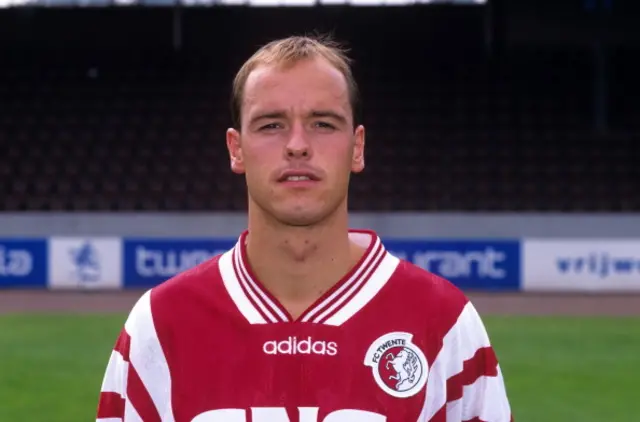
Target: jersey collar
{"type": "Point", "coordinates": [338, 304]}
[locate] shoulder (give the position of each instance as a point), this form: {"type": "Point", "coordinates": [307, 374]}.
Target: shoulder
{"type": "Point", "coordinates": [178, 293]}
{"type": "Point", "coordinates": [200, 277]}
{"type": "Point", "coordinates": [435, 301]}
{"type": "Point", "coordinates": [428, 288]}
{"type": "Point", "coordinates": [426, 298]}
{"type": "Point", "coordinates": [171, 303]}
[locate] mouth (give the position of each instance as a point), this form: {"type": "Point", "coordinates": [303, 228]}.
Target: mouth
{"type": "Point", "coordinates": [295, 177]}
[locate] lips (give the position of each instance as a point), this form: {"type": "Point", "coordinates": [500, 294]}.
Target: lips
{"type": "Point", "coordinates": [298, 176]}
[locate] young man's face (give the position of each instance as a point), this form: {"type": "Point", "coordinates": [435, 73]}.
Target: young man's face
{"type": "Point", "coordinates": [297, 145]}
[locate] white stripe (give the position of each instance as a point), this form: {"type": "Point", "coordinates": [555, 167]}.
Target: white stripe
{"type": "Point", "coordinates": [131, 415]}
{"type": "Point", "coordinates": [354, 287]}
{"type": "Point", "coordinates": [377, 281]}
{"type": "Point", "coordinates": [485, 399]}
{"type": "Point", "coordinates": [354, 278]}
{"type": "Point", "coordinates": [115, 378]}
{"type": "Point", "coordinates": [250, 291]}
{"type": "Point", "coordinates": [454, 410]}
{"type": "Point", "coordinates": [461, 342]}
{"type": "Point", "coordinates": [232, 285]}
{"type": "Point", "coordinates": [109, 420]}
{"type": "Point", "coordinates": [147, 357]}
{"type": "Point", "coordinates": [265, 299]}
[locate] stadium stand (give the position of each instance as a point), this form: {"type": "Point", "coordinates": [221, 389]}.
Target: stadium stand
{"type": "Point", "coordinates": [446, 131]}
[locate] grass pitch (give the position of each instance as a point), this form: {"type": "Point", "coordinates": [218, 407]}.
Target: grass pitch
{"type": "Point", "coordinates": [556, 369]}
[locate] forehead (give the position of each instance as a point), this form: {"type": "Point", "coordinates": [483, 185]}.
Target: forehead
{"type": "Point", "coordinates": [307, 84]}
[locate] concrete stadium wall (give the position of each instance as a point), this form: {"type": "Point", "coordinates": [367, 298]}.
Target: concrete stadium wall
{"type": "Point", "coordinates": [403, 225]}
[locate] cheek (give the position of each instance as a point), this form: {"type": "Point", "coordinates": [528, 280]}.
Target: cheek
{"type": "Point", "coordinates": [260, 164]}
{"type": "Point", "coordinates": [259, 156]}
{"type": "Point", "coordinates": [339, 158]}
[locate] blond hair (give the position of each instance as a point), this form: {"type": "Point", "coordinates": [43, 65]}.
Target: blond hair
{"type": "Point", "coordinates": [287, 52]}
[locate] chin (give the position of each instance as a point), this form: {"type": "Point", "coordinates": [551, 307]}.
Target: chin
{"type": "Point", "coordinates": [302, 213]}
{"type": "Point", "coordinates": [299, 212]}
{"type": "Point", "coordinates": [300, 218]}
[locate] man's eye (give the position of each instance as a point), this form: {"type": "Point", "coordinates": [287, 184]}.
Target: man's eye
{"type": "Point", "coordinates": [270, 126]}
{"type": "Point", "coordinates": [325, 125]}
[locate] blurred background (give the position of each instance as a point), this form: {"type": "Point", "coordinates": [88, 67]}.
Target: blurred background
{"type": "Point", "coordinates": [502, 153]}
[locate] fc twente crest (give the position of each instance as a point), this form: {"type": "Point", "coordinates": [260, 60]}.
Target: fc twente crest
{"type": "Point", "coordinates": [399, 366]}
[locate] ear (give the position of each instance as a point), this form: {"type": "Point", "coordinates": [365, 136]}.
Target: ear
{"type": "Point", "coordinates": [357, 162]}
{"type": "Point", "coordinates": [235, 151]}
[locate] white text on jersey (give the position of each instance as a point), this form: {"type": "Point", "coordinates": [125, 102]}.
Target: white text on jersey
{"type": "Point", "coordinates": [293, 346]}
{"type": "Point", "coordinates": [279, 414]}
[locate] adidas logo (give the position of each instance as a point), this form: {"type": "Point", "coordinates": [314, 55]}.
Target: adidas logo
{"type": "Point", "coordinates": [293, 346]}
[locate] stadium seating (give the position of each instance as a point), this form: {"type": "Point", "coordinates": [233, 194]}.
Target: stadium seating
{"type": "Point", "coordinates": [452, 132]}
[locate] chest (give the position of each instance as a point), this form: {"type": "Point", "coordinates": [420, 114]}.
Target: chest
{"type": "Point", "coordinates": [297, 373]}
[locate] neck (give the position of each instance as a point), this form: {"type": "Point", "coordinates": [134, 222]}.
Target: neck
{"type": "Point", "coordinates": [298, 264]}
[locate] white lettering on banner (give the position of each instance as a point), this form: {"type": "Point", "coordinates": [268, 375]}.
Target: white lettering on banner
{"type": "Point", "coordinates": [15, 262]}
{"type": "Point", "coordinates": [280, 414]}
{"type": "Point", "coordinates": [582, 265]}
{"type": "Point", "coordinates": [293, 346]}
{"type": "Point", "coordinates": [155, 262]}
{"type": "Point", "coordinates": [452, 264]}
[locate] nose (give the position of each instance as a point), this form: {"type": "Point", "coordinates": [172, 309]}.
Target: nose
{"type": "Point", "coordinates": [298, 145]}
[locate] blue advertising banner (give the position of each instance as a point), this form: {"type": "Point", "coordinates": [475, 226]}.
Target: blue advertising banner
{"type": "Point", "coordinates": [23, 263]}
{"type": "Point", "coordinates": [469, 264]}
{"type": "Point", "coordinates": [149, 262]}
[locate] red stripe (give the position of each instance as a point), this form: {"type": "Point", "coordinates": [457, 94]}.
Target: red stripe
{"type": "Point", "coordinates": [123, 345]}
{"type": "Point", "coordinates": [440, 416]}
{"type": "Point", "coordinates": [110, 405]}
{"type": "Point", "coordinates": [483, 363]}
{"type": "Point", "coordinates": [359, 284]}
{"type": "Point", "coordinates": [140, 398]}
{"type": "Point", "coordinates": [364, 275]}
{"type": "Point", "coordinates": [256, 287]}
{"type": "Point", "coordinates": [476, 419]}
{"type": "Point", "coordinates": [245, 288]}
{"type": "Point", "coordinates": [319, 305]}
{"type": "Point", "coordinates": [251, 284]}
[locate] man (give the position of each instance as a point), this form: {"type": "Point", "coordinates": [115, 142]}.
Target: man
{"type": "Point", "coordinates": [304, 320]}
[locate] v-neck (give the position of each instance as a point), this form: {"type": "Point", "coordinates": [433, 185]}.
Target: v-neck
{"type": "Point", "coordinates": [260, 306]}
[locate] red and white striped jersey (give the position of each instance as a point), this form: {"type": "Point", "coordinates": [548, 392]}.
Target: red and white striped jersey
{"type": "Point", "coordinates": [389, 342]}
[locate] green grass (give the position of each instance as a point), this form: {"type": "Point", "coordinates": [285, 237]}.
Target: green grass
{"type": "Point", "coordinates": [570, 369]}
{"type": "Point", "coordinates": [51, 367]}
{"type": "Point", "coordinates": [556, 369]}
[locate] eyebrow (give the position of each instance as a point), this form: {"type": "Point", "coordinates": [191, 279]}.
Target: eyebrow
{"type": "Point", "coordinates": [331, 114]}
{"type": "Point", "coordinates": [314, 113]}
{"type": "Point", "coordinates": [268, 115]}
